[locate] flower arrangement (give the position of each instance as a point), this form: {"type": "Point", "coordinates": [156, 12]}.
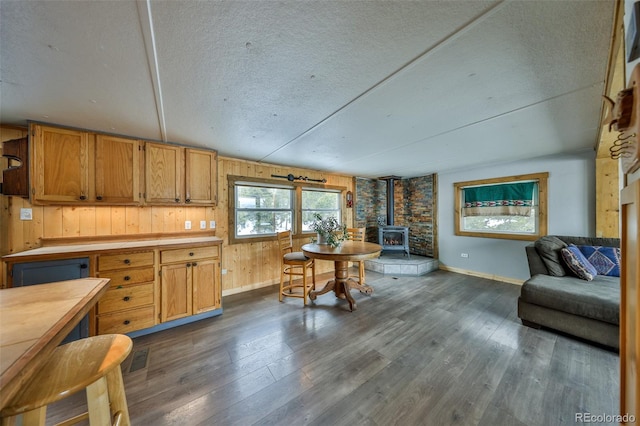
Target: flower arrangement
{"type": "Point", "coordinates": [329, 230]}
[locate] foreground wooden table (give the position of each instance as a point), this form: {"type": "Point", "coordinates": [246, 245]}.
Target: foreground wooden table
{"type": "Point", "coordinates": [34, 320]}
{"type": "Point", "coordinates": [348, 251]}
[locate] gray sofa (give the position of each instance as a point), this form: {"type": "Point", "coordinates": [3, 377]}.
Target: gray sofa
{"type": "Point", "coordinates": [586, 309]}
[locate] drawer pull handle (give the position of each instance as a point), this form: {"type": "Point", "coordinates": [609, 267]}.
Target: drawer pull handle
{"type": "Point", "coordinates": [126, 298]}
{"type": "Point", "coordinates": [127, 277]}
{"type": "Point", "coordinates": [191, 253]}
{"type": "Point", "coordinates": [127, 261]}
{"type": "Point", "coordinates": [126, 322]}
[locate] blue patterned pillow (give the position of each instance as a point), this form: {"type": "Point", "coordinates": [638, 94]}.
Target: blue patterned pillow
{"type": "Point", "coordinates": [577, 263]}
{"type": "Point", "coordinates": [606, 260]}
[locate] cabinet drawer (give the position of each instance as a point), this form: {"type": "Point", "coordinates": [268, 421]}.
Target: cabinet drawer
{"type": "Point", "coordinates": [180, 255]}
{"type": "Point", "coordinates": [128, 276]}
{"type": "Point", "coordinates": [127, 297]}
{"type": "Point", "coordinates": [126, 321]}
{"type": "Point", "coordinates": [125, 260]}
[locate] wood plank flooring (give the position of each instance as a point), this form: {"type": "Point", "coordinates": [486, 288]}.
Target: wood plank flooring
{"type": "Point", "coordinates": [442, 349]}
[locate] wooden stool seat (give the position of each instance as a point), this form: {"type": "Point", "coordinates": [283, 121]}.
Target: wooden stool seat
{"type": "Point", "coordinates": [92, 364]}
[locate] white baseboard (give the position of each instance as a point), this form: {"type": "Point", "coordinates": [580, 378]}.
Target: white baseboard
{"type": "Point", "coordinates": [481, 275]}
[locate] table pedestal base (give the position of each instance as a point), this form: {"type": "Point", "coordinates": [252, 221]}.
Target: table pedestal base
{"type": "Point", "coordinates": [342, 285]}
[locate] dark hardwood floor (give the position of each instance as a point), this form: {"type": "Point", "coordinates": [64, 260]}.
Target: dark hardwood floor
{"type": "Point", "coordinates": [440, 349]}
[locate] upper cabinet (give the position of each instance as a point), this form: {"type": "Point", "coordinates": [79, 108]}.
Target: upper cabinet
{"type": "Point", "coordinates": [62, 165]}
{"type": "Point", "coordinates": [71, 166]}
{"type": "Point", "coordinates": [75, 166]}
{"type": "Point", "coordinates": [200, 177]}
{"type": "Point", "coordinates": [180, 175]}
{"type": "Point", "coordinates": [164, 177]}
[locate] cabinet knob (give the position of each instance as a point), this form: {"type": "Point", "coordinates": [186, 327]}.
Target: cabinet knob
{"type": "Point", "coordinates": [126, 298]}
{"type": "Point", "coordinates": [188, 200]}
{"type": "Point", "coordinates": [190, 253]}
{"type": "Point", "coordinates": [177, 200]}
{"type": "Point", "coordinates": [99, 198]}
{"type": "Point", "coordinates": [188, 265]}
{"type": "Point", "coordinates": [127, 261]}
{"type": "Point", "coordinates": [195, 263]}
{"type": "Point", "coordinates": [126, 322]}
{"type": "Point", "coordinates": [127, 278]}
{"type": "Point", "coordinates": [83, 197]}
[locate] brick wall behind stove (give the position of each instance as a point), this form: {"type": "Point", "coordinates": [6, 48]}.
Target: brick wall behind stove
{"type": "Point", "coordinates": [415, 206]}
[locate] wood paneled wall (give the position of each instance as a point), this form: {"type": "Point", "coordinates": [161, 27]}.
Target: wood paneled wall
{"type": "Point", "coordinates": [247, 266]}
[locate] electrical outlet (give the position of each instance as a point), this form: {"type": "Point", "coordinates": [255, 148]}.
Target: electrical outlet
{"type": "Point", "coordinates": [26, 214]}
{"type": "Point", "coordinates": [212, 224]}
{"type": "Point", "coordinates": [187, 224]}
{"type": "Point", "coordinates": [224, 272]}
{"type": "Point", "coordinates": [203, 224]}
{"type": "Point", "coordinates": [464, 254]}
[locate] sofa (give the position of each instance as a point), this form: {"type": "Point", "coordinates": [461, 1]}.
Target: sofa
{"type": "Point", "coordinates": [554, 297]}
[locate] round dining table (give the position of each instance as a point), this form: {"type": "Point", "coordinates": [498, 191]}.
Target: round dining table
{"type": "Point", "coordinates": [347, 251]}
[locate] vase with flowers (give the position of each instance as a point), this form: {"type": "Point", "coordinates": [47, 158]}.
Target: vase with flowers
{"type": "Point", "coordinates": [329, 230]}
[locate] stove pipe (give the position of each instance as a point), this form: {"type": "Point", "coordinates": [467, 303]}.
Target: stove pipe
{"type": "Point", "coordinates": [390, 199]}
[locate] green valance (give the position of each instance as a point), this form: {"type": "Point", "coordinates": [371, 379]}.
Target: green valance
{"type": "Point", "coordinates": [509, 199]}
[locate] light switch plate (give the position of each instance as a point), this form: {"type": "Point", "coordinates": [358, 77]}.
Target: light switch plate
{"type": "Point", "coordinates": [203, 224]}
{"type": "Point", "coordinates": [187, 224]}
{"type": "Point", "coordinates": [212, 224]}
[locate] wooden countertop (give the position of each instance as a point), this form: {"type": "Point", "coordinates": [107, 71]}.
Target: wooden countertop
{"type": "Point", "coordinates": [109, 245]}
{"type": "Point", "coordinates": [34, 320]}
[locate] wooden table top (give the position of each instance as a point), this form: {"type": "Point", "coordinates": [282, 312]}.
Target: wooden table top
{"type": "Point", "coordinates": [347, 251]}
{"type": "Point", "coordinates": [34, 320]}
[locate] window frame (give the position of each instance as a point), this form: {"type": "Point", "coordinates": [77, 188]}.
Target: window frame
{"type": "Point", "coordinates": [234, 181]}
{"type": "Point", "coordinates": [540, 178]}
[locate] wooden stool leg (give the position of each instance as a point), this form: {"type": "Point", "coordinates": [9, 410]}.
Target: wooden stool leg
{"type": "Point", "coordinates": [98, 403]}
{"type": "Point", "coordinates": [117, 396]}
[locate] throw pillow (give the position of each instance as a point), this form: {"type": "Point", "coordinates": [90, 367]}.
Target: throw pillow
{"type": "Point", "coordinates": [606, 260]}
{"type": "Point", "coordinates": [548, 247]}
{"type": "Point", "coordinates": [577, 263]}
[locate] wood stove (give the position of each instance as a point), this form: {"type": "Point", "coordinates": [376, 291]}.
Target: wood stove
{"type": "Point", "coordinates": [390, 237]}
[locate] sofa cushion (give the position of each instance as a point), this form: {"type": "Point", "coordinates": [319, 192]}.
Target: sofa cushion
{"type": "Point", "coordinates": [577, 263]}
{"type": "Point", "coordinates": [606, 260]}
{"type": "Point", "coordinates": [598, 299]}
{"type": "Point", "coordinates": [548, 247]}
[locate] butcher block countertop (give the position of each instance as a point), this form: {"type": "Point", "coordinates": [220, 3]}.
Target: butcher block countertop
{"type": "Point", "coordinates": [34, 320]}
{"type": "Point", "coordinates": [85, 246]}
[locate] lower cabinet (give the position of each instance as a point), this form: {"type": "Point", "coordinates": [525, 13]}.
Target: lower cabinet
{"type": "Point", "coordinates": [189, 281]}
{"type": "Point", "coordinates": [129, 303]}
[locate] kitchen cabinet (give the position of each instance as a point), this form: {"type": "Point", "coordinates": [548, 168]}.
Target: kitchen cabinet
{"type": "Point", "coordinates": [80, 167]}
{"type": "Point", "coordinates": [201, 174]}
{"type": "Point", "coordinates": [190, 281]}
{"type": "Point", "coordinates": [178, 175]}
{"type": "Point", "coordinates": [164, 174]}
{"type": "Point", "coordinates": [129, 303]}
{"type": "Point", "coordinates": [156, 282]}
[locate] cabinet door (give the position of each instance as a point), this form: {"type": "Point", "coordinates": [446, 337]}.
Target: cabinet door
{"type": "Point", "coordinates": [164, 179]}
{"type": "Point", "coordinates": [201, 176]}
{"type": "Point", "coordinates": [205, 286]}
{"type": "Point", "coordinates": [61, 165]}
{"type": "Point", "coordinates": [117, 170]}
{"type": "Point", "coordinates": [176, 291]}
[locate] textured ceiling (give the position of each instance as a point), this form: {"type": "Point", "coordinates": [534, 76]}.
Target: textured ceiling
{"type": "Point", "coordinates": [364, 88]}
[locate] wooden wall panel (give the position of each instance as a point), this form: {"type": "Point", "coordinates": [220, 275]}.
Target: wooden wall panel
{"type": "Point", "coordinates": [247, 266]}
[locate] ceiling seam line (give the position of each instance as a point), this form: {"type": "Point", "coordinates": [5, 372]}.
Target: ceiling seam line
{"type": "Point", "coordinates": [152, 59]}
{"type": "Point", "coordinates": [453, 36]}
{"type": "Point", "coordinates": [481, 121]}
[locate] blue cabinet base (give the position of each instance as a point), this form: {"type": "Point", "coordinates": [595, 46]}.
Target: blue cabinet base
{"type": "Point", "coordinates": [175, 323]}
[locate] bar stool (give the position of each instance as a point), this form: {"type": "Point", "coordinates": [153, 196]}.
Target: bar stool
{"type": "Point", "coordinates": [92, 364]}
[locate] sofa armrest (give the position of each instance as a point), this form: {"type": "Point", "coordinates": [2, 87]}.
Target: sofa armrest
{"type": "Point", "coordinates": [536, 265]}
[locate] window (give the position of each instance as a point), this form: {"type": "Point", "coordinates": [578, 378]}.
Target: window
{"type": "Point", "coordinates": [259, 208]}
{"type": "Point", "coordinates": [513, 207]}
{"type": "Point", "coordinates": [325, 203]}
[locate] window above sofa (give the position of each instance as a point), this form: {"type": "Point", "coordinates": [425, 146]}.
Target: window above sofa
{"type": "Point", "coordinates": [511, 207]}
